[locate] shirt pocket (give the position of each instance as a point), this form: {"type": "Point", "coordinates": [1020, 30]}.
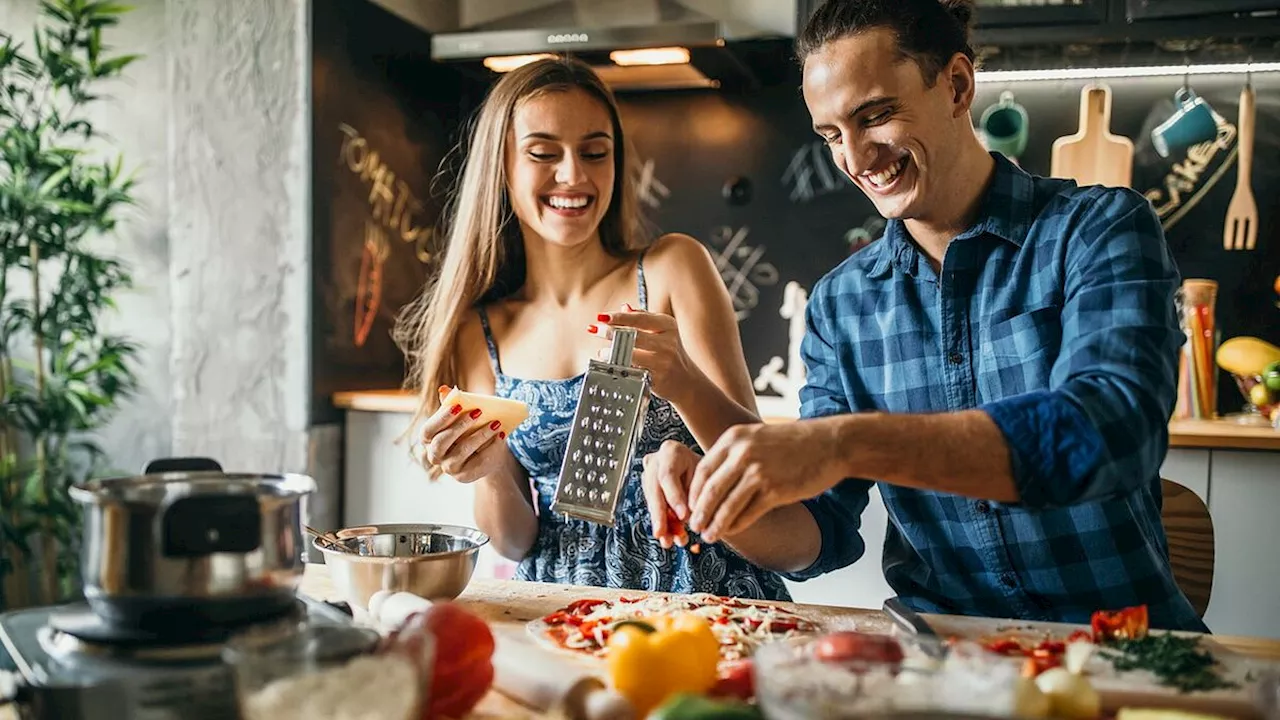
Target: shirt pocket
{"type": "Point", "coordinates": [1018, 353]}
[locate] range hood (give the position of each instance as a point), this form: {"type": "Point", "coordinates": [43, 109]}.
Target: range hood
{"type": "Point", "coordinates": [683, 43]}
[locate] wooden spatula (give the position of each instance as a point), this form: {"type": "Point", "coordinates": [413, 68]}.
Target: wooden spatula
{"type": "Point", "coordinates": [1093, 156]}
{"type": "Point", "coordinates": [1241, 231]}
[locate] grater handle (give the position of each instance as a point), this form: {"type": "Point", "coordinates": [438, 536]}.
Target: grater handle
{"type": "Point", "coordinates": [623, 347]}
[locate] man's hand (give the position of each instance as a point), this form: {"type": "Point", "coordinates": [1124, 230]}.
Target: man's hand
{"type": "Point", "coordinates": [753, 469]}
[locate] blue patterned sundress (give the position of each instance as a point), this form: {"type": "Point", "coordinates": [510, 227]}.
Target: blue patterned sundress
{"type": "Point", "coordinates": [573, 551]}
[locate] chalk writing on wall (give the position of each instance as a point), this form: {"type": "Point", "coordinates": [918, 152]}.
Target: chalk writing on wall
{"type": "Point", "coordinates": [651, 190]}
{"type": "Point", "coordinates": [1182, 188]}
{"type": "Point", "coordinates": [811, 174]}
{"type": "Point", "coordinates": [391, 201]}
{"type": "Point", "coordinates": [369, 286]}
{"type": "Point", "coordinates": [860, 237]}
{"type": "Point", "coordinates": [787, 377]}
{"type": "Point", "coordinates": [741, 268]}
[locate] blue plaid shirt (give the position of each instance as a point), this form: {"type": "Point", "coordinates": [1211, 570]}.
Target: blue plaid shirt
{"type": "Point", "coordinates": [1054, 314]}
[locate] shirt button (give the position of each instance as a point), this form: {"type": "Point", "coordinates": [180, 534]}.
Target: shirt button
{"type": "Point", "coordinates": [984, 507]}
{"type": "Point", "coordinates": [955, 358]}
{"type": "Point", "coordinates": [1008, 580]}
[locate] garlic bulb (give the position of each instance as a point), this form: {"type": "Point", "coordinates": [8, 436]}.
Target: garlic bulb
{"type": "Point", "coordinates": [1071, 696]}
{"type": "Point", "coordinates": [1028, 700]}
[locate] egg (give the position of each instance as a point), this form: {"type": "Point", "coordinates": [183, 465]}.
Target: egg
{"type": "Point", "coordinates": [1071, 696]}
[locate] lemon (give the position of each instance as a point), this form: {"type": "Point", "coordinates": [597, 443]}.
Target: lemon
{"type": "Point", "coordinates": [1259, 396]}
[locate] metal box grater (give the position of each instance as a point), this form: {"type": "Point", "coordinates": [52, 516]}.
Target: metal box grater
{"type": "Point", "coordinates": [606, 429]}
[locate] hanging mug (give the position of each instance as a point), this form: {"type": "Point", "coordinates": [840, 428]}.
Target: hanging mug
{"type": "Point", "coordinates": [1192, 123]}
{"type": "Point", "coordinates": [1004, 126]}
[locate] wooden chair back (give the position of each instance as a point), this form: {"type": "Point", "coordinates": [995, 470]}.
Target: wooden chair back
{"type": "Point", "coordinates": [1190, 531]}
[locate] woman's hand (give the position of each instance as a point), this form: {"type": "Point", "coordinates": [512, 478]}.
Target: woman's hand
{"type": "Point", "coordinates": [666, 478]}
{"type": "Point", "coordinates": [658, 349]}
{"type": "Point", "coordinates": [449, 445]}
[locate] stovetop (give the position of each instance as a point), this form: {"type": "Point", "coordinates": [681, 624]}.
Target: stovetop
{"type": "Point", "coordinates": [73, 674]}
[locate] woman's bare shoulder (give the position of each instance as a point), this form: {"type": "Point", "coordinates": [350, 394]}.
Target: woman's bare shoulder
{"type": "Point", "coordinates": [475, 373]}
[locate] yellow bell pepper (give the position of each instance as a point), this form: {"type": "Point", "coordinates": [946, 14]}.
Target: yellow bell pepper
{"type": "Point", "coordinates": [653, 660]}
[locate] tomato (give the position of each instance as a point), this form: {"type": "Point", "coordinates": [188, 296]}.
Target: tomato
{"type": "Point", "coordinates": [1127, 624]}
{"type": "Point", "coordinates": [455, 697]}
{"type": "Point", "coordinates": [583, 607]}
{"type": "Point", "coordinates": [1006, 646]}
{"type": "Point", "coordinates": [1080, 636]}
{"type": "Point", "coordinates": [461, 666]}
{"type": "Point", "coordinates": [848, 645]}
{"type": "Point", "coordinates": [736, 680]}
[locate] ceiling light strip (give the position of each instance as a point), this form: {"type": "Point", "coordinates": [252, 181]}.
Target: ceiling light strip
{"type": "Point", "coordinates": [990, 76]}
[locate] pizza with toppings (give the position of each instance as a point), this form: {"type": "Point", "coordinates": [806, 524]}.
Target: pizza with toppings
{"type": "Point", "coordinates": [584, 626]}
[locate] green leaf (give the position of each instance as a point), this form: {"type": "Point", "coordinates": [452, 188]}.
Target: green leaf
{"type": "Point", "coordinates": [115, 65]}
{"type": "Point", "coordinates": [54, 181]}
{"type": "Point", "coordinates": [55, 10]}
{"type": "Point", "coordinates": [106, 7]}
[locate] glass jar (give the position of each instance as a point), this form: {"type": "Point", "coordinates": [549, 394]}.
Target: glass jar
{"type": "Point", "coordinates": [1197, 367]}
{"type": "Point", "coordinates": [257, 659]}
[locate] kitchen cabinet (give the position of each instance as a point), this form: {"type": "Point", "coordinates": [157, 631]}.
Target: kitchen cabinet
{"type": "Point", "coordinates": [1244, 497]}
{"type": "Point", "coordinates": [1010, 23]}
{"type": "Point", "coordinates": [1241, 488]}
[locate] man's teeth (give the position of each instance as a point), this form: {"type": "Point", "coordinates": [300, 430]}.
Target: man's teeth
{"type": "Point", "coordinates": [568, 203]}
{"type": "Point", "coordinates": [885, 176]}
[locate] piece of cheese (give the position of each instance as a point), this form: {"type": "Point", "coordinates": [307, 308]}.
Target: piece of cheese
{"type": "Point", "coordinates": [509, 412]}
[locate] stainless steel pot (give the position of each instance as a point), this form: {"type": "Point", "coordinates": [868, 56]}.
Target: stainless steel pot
{"type": "Point", "coordinates": [181, 547]}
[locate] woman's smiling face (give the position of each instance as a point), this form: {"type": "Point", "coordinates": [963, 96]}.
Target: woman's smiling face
{"type": "Point", "coordinates": [560, 166]}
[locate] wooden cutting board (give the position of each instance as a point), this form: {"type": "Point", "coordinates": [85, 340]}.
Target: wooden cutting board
{"type": "Point", "coordinates": [1130, 688]}
{"type": "Point", "coordinates": [1093, 155]}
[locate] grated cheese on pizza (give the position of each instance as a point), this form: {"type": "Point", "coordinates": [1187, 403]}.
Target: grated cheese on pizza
{"type": "Point", "coordinates": [585, 625]}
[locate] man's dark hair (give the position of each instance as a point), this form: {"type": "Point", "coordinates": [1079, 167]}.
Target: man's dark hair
{"type": "Point", "coordinates": [930, 32]}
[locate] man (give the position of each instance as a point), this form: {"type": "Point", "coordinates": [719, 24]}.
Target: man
{"type": "Point", "coordinates": [1002, 362]}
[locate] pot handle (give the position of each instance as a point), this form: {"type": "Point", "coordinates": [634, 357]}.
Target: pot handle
{"type": "Point", "coordinates": [181, 464]}
{"type": "Point", "coordinates": [204, 524]}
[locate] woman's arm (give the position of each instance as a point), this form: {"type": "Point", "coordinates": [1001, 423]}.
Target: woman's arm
{"type": "Point", "coordinates": [503, 501]}
{"type": "Point", "coordinates": [717, 394]}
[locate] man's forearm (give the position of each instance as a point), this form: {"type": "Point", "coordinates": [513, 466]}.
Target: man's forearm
{"type": "Point", "coordinates": [963, 453]}
{"type": "Point", "coordinates": [784, 540]}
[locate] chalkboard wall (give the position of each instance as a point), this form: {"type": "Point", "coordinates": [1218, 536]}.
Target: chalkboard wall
{"type": "Point", "coordinates": [384, 118]}
{"type": "Point", "coordinates": [803, 217]}
{"type": "Point", "coordinates": [743, 173]}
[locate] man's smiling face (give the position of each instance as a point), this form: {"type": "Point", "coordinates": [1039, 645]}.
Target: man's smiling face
{"type": "Point", "coordinates": [889, 132]}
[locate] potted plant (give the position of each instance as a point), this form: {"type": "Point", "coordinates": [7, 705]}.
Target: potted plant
{"type": "Point", "coordinates": [60, 374]}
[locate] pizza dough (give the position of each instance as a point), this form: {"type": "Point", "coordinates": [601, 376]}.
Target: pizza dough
{"type": "Point", "coordinates": [509, 412]}
{"type": "Point", "coordinates": [583, 627]}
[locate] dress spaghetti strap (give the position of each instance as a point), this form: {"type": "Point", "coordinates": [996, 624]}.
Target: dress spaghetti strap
{"type": "Point", "coordinates": [488, 340]}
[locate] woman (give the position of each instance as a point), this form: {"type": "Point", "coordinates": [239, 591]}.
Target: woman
{"type": "Point", "coordinates": [544, 258]}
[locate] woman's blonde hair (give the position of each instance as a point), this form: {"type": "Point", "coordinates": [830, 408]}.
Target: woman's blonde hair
{"type": "Point", "coordinates": [484, 251]}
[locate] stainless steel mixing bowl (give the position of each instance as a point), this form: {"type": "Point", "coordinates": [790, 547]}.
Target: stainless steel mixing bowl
{"type": "Point", "coordinates": [429, 560]}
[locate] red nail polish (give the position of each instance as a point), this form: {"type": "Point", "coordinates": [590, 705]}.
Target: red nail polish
{"type": "Point", "coordinates": [495, 424]}
{"type": "Point", "coordinates": [593, 329]}
{"type": "Point", "coordinates": [475, 413]}
{"type": "Point", "coordinates": [455, 409]}
{"type": "Point", "coordinates": [602, 318]}
{"type": "Point", "coordinates": [502, 436]}
{"type": "Point", "coordinates": [442, 389]}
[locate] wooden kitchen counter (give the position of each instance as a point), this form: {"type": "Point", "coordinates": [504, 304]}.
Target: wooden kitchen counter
{"type": "Point", "coordinates": [1205, 434]}
{"type": "Point", "coordinates": [508, 604]}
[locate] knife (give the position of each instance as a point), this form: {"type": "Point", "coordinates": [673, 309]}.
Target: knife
{"type": "Point", "coordinates": [915, 626]}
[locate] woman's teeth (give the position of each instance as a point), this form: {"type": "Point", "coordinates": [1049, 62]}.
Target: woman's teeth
{"type": "Point", "coordinates": [568, 203]}
{"type": "Point", "coordinates": [884, 177]}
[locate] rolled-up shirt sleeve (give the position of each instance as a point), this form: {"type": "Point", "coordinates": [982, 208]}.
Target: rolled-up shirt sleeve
{"type": "Point", "coordinates": [1101, 428]}
{"type": "Point", "coordinates": [838, 511]}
